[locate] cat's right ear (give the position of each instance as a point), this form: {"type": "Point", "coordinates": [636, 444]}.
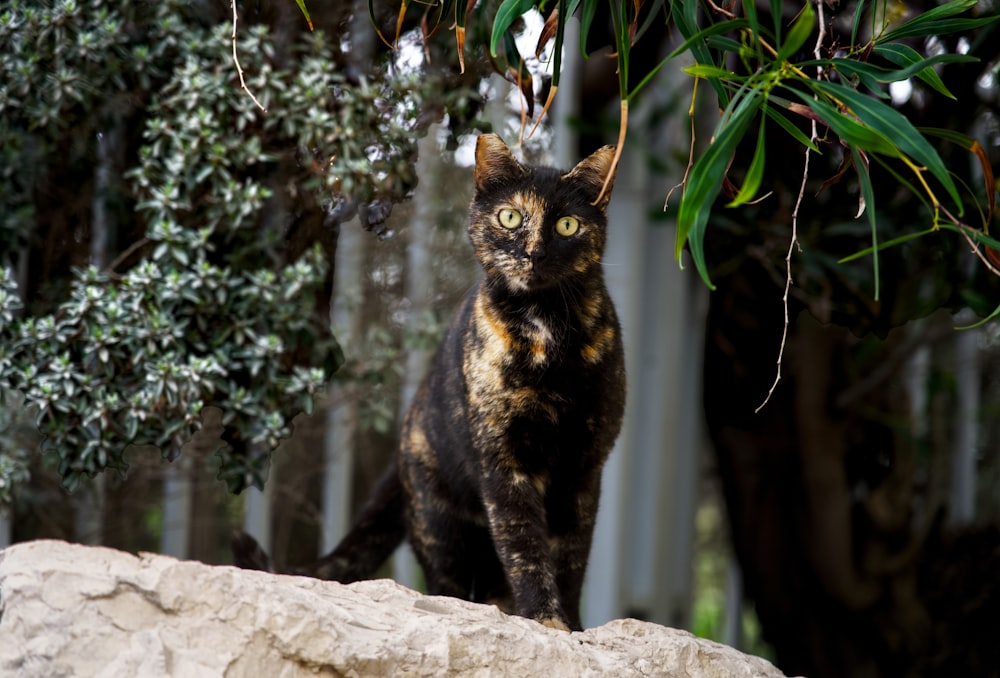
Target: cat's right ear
{"type": "Point", "coordinates": [495, 164]}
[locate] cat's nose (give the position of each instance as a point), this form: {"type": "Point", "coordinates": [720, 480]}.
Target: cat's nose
{"type": "Point", "coordinates": [537, 254]}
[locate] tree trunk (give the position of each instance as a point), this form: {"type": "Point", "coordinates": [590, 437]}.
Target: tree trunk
{"type": "Point", "coordinates": [834, 515]}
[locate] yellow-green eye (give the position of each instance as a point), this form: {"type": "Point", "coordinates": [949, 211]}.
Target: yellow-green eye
{"type": "Point", "coordinates": [509, 218]}
{"type": "Point", "coordinates": [567, 226]}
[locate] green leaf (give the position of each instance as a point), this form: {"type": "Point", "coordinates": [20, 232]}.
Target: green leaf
{"type": "Point", "coordinates": [904, 55]}
{"type": "Point", "coordinates": [564, 14]}
{"type": "Point", "coordinates": [711, 71]}
{"type": "Point", "coordinates": [374, 20]}
{"type": "Point", "coordinates": [623, 44]}
{"type": "Point", "coordinates": [305, 12]}
{"type": "Point", "coordinates": [519, 73]}
{"type": "Point", "coordinates": [872, 75]}
{"type": "Point", "coordinates": [586, 19]}
{"type": "Point", "coordinates": [978, 236]}
{"type": "Point", "coordinates": [509, 11]}
{"type": "Point", "coordinates": [696, 42]}
{"type": "Point", "coordinates": [776, 18]}
{"type": "Point", "coordinates": [706, 177]}
{"type": "Point", "coordinates": [755, 172]}
{"type": "Point", "coordinates": [801, 30]}
{"type": "Point", "coordinates": [651, 15]}
{"type": "Point", "coordinates": [886, 245]}
{"type": "Point", "coordinates": [848, 129]}
{"type": "Point", "coordinates": [867, 74]}
{"type": "Point", "coordinates": [750, 10]}
{"type": "Point", "coordinates": [992, 316]}
{"type": "Point", "coordinates": [936, 22]}
{"type": "Point", "coordinates": [894, 125]}
{"type": "Point", "coordinates": [857, 21]}
{"type": "Point", "coordinates": [790, 127]}
{"type": "Point", "coordinates": [868, 193]}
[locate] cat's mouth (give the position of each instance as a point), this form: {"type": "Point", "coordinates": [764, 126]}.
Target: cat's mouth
{"type": "Point", "coordinates": [529, 277]}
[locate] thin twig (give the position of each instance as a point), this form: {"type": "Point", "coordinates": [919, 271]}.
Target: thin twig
{"type": "Point", "coordinates": [141, 242]}
{"type": "Point", "coordinates": [975, 249]}
{"type": "Point", "coordinates": [793, 243]}
{"type": "Point", "coordinates": [236, 60]}
{"type": "Point", "coordinates": [690, 162]}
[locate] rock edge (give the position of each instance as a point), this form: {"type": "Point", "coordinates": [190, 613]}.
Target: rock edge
{"type": "Point", "coordinates": [72, 610]}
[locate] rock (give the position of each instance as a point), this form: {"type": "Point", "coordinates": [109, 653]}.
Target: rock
{"type": "Point", "coordinates": [71, 610]}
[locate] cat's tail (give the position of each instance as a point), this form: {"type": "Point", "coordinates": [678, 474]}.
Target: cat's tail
{"type": "Point", "coordinates": [379, 530]}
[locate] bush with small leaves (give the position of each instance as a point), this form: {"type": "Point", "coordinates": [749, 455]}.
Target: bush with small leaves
{"type": "Point", "coordinates": [206, 301]}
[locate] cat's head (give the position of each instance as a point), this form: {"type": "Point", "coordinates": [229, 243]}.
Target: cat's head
{"type": "Point", "coordinates": [533, 228]}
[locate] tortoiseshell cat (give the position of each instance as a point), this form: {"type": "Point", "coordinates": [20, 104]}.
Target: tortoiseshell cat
{"type": "Point", "coordinates": [497, 476]}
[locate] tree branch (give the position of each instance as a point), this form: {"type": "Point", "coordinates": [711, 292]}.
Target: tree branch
{"type": "Point", "coordinates": [236, 60]}
{"type": "Point", "coordinates": [793, 243]}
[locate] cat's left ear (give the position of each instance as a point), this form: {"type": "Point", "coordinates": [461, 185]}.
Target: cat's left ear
{"type": "Point", "coordinates": [592, 172]}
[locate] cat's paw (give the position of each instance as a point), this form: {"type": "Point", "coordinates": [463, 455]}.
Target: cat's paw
{"type": "Point", "coordinates": [555, 623]}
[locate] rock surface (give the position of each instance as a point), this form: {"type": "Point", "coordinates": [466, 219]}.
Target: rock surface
{"type": "Point", "coordinates": [71, 610]}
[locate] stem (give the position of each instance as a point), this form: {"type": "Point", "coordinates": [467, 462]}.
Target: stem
{"type": "Point", "coordinates": [793, 243]}
{"type": "Point", "coordinates": [236, 60]}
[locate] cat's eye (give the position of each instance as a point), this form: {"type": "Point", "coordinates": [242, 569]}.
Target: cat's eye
{"type": "Point", "coordinates": [567, 226]}
{"type": "Point", "coordinates": [509, 218]}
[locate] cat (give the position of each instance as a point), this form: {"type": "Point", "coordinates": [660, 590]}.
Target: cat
{"type": "Point", "coordinates": [497, 476]}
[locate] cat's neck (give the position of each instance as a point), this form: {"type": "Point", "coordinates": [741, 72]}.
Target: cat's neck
{"type": "Point", "coordinates": [507, 300]}
{"type": "Point", "coordinates": [547, 317]}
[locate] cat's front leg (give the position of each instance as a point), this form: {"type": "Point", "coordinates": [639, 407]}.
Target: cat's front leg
{"type": "Point", "coordinates": [515, 508]}
{"type": "Point", "coordinates": [572, 514]}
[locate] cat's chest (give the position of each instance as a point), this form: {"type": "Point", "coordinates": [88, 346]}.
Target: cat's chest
{"type": "Point", "coordinates": [530, 343]}
{"type": "Point", "coordinates": [531, 361]}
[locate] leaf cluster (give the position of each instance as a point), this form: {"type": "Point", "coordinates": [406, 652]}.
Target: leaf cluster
{"type": "Point", "coordinates": [769, 72]}
{"type": "Point", "coordinates": [205, 302]}
{"type": "Point", "coordinates": [843, 91]}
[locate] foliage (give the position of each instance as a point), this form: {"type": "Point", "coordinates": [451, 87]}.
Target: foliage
{"type": "Point", "coordinates": [761, 70]}
{"type": "Point", "coordinates": [205, 301]}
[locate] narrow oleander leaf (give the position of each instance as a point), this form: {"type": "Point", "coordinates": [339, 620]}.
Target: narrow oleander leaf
{"type": "Point", "coordinates": [706, 177]}
{"type": "Point", "coordinates": [858, 20]}
{"type": "Point", "coordinates": [651, 16]}
{"type": "Point", "coordinates": [518, 73]}
{"type": "Point", "coordinates": [561, 13]}
{"type": "Point", "coordinates": [972, 146]}
{"type": "Point", "coordinates": [868, 193]}
{"type": "Point", "coordinates": [507, 13]}
{"type": "Point", "coordinates": [992, 316]}
{"type": "Point", "coordinates": [776, 17]}
{"type": "Point", "coordinates": [755, 173]}
{"type": "Point", "coordinates": [399, 21]}
{"type": "Point", "coordinates": [990, 244]}
{"type": "Point", "coordinates": [892, 124]}
{"type": "Point", "coordinates": [869, 75]}
{"type": "Point", "coordinates": [697, 44]}
{"type": "Point", "coordinates": [790, 127]}
{"type": "Point", "coordinates": [914, 65]}
{"type": "Point", "coordinates": [936, 21]}
{"type": "Point", "coordinates": [548, 32]}
{"type": "Point", "coordinates": [886, 245]}
{"type": "Point", "coordinates": [371, 17]}
{"type": "Point", "coordinates": [711, 71]}
{"type": "Point", "coordinates": [848, 129]}
{"type": "Point", "coordinates": [750, 11]}
{"type": "Point", "coordinates": [797, 36]}
{"type": "Point", "coordinates": [305, 13]}
{"type": "Point", "coordinates": [873, 76]}
{"type": "Point", "coordinates": [586, 19]}
{"type": "Point", "coordinates": [461, 18]}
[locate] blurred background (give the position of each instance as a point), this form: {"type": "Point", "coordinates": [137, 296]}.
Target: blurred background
{"type": "Point", "coordinates": [175, 257]}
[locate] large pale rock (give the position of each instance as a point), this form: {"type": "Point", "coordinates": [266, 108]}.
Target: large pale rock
{"type": "Point", "coordinates": [70, 610]}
